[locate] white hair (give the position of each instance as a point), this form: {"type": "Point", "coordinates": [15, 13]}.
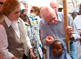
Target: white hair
{"type": "Point", "coordinates": [45, 11]}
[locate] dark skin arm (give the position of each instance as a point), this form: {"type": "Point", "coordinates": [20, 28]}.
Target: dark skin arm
{"type": "Point", "coordinates": [44, 49]}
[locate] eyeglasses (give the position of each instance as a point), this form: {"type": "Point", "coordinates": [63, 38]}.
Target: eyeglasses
{"type": "Point", "coordinates": [1, 3]}
{"type": "Point", "coordinates": [32, 11]}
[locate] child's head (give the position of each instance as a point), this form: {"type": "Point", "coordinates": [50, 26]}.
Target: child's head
{"type": "Point", "coordinates": [57, 48]}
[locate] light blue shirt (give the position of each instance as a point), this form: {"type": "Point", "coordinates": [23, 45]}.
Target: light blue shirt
{"type": "Point", "coordinates": [57, 31]}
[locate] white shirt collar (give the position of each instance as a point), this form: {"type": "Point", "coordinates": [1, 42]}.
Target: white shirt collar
{"type": "Point", "coordinates": [59, 19]}
{"type": "Point", "coordinates": [8, 22]}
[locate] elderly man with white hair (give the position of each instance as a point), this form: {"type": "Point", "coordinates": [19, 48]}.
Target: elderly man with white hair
{"type": "Point", "coordinates": [52, 28]}
{"type": "Point", "coordinates": [55, 6]}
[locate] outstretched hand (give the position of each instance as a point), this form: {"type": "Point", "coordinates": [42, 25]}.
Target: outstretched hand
{"type": "Point", "coordinates": [49, 40]}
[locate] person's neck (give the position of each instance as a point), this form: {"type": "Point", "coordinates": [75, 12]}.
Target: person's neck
{"type": "Point", "coordinates": [13, 20]}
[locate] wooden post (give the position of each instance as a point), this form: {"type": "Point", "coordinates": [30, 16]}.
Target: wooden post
{"type": "Point", "coordinates": [1, 56]}
{"type": "Point", "coordinates": [65, 25]}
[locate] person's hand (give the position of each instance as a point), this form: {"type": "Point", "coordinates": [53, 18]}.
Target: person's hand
{"type": "Point", "coordinates": [70, 31]}
{"type": "Point", "coordinates": [31, 54]}
{"type": "Point", "coordinates": [15, 58]}
{"type": "Point", "coordinates": [44, 49]}
{"type": "Point", "coordinates": [49, 40]}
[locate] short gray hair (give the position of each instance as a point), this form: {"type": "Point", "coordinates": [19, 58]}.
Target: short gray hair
{"type": "Point", "coordinates": [45, 11]}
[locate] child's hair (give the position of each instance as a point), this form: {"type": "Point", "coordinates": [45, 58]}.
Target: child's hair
{"type": "Point", "coordinates": [57, 41]}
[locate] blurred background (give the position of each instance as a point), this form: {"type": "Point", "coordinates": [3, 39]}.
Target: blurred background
{"type": "Point", "coordinates": [72, 5]}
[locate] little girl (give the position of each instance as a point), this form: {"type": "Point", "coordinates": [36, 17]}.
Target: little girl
{"type": "Point", "coordinates": [59, 50]}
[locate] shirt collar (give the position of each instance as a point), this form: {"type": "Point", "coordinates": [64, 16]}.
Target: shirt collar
{"type": "Point", "coordinates": [59, 19]}
{"type": "Point", "coordinates": [8, 22]}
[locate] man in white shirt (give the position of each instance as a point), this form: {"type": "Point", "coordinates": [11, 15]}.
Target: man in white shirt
{"type": "Point", "coordinates": [77, 22]}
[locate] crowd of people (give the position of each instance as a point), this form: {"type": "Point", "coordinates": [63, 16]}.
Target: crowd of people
{"type": "Point", "coordinates": [38, 34]}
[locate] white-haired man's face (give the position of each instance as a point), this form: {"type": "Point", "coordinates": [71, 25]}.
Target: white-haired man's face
{"type": "Point", "coordinates": [51, 19]}
{"type": "Point", "coordinates": [49, 16]}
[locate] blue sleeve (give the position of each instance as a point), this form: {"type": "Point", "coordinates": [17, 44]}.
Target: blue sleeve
{"type": "Point", "coordinates": [43, 32]}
